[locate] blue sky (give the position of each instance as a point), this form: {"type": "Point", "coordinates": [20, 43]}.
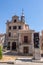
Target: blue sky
{"type": "Point", "coordinates": [33, 11]}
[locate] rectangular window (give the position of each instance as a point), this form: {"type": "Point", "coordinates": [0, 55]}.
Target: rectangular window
{"type": "Point", "coordinates": [9, 27]}
{"type": "Point", "coordinates": [19, 27]}
{"type": "Point", "coordinates": [25, 39]}
{"type": "Point", "coordinates": [9, 34]}
{"type": "Point", "coordinates": [14, 27]}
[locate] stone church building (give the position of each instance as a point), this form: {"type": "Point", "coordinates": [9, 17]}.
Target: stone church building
{"type": "Point", "coordinates": [19, 35]}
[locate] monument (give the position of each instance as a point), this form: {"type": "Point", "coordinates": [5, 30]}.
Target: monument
{"type": "Point", "coordinates": [37, 51]}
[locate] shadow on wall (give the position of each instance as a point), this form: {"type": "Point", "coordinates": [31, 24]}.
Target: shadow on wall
{"type": "Point", "coordinates": [15, 54]}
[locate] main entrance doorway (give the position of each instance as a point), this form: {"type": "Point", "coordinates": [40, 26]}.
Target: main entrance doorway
{"type": "Point", "coordinates": [25, 49]}
{"type": "Point", "coordinates": [14, 46]}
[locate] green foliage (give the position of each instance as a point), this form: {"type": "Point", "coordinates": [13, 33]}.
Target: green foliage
{"type": "Point", "coordinates": [0, 52]}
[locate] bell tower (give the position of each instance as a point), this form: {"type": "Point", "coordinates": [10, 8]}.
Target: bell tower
{"type": "Point", "coordinates": [22, 16]}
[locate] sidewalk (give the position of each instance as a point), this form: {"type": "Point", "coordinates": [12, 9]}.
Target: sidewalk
{"type": "Point", "coordinates": [7, 58]}
{"type": "Point", "coordinates": [12, 59]}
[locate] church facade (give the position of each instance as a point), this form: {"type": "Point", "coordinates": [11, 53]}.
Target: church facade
{"type": "Point", "coordinates": [19, 36]}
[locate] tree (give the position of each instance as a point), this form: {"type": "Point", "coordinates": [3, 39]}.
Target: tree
{"type": "Point", "coordinates": [0, 52]}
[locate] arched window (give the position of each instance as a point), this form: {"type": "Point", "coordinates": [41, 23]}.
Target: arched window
{"type": "Point", "coordinates": [14, 20]}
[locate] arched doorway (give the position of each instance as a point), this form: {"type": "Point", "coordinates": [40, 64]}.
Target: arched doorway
{"type": "Point", "coordinates": [14, 46]}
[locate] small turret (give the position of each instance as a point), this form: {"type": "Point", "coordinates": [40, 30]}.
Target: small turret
{"type": "Point", "coordinates": [22, 16]}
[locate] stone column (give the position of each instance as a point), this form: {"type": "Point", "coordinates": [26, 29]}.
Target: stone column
{"type": "Point", "coordinates": [10, 46]}
{"type": "Point", "coordinates": [32, 44]}
{"type": "Point", "coordinates": [19, 43]}
{"type": "Point", "coordinates": [19, 38]}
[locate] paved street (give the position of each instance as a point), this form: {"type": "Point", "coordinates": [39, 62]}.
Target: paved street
{"type": "Point", "coordinates": [5, 64]}
{"type": "Point", "coordinates": [22, 63]}
{"type": "Point", "coordinates": [29, 63]}
{"type": "Point", "coordinates": [25, 61]}
{"type": "Point", "coordinates": [18, 62]}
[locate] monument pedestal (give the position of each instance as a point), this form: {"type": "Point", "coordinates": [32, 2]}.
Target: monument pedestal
{"type": "Point", "coordinates": [37, 54]}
